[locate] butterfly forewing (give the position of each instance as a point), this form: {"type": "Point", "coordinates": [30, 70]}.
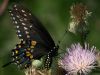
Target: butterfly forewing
{"type": "Point", "coordinates": [23, 28]}
{"type": "Point", "coordinates": [29, 26]}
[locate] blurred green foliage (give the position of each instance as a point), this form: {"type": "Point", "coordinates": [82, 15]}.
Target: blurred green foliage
{"type": "Point", "coordinates": [54, 14]}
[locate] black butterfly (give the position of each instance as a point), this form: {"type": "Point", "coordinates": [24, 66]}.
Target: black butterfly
{"type": "Point", "coordinates": [35, 40]}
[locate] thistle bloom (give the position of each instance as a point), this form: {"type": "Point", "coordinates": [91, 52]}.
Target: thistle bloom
{"type": "Point", "coordinates": [79, 60]}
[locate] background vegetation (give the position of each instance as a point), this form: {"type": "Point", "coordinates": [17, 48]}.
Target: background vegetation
{"type": "Point", "coordinates": [54, 14]}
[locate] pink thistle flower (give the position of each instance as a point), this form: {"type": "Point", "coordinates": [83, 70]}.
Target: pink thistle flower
{"type": "Point", "coordinates": [79, 60]}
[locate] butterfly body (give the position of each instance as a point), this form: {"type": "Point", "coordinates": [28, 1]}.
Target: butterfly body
{"type": "Point", "coordinates": [35, 39]}
{"type": "Point", "coordinates": [52, 53]}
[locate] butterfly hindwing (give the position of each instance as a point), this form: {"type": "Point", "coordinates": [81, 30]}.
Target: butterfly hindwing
{"type": "Point", "coordinates": [22, 55]}
{"type": "Point", "coordinates": [25, 52]}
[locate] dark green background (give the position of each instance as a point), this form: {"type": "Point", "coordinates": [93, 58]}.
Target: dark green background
{"type": "Point", "coordinates": [54, 14]}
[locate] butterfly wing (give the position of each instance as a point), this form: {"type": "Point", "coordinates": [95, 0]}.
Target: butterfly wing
{"type": "Point", "coordinates": [24, 54]}
{"type": "Point", "coordinates": [29, 27]}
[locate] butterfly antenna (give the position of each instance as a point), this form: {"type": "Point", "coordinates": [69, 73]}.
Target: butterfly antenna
{"type": "Point", "coordinates": [61, 49]}
{"type": "Point", "coordinates": [59, 55]}
{"type": "Point", "coordinates": [7, 64]}
{"type": "Point", "coordinates": [62, 38]}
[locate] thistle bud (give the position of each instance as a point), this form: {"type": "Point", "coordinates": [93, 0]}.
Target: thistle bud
{"type": "Point", "coordinates": [79, 14]}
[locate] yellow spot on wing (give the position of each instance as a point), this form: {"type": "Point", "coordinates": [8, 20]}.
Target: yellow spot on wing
{"type": "Point", "coordinates": [16, 51]}
{"type": "Point", "coordinates": [28, 48]}
{"type": "Point", "coordinates": [28, 53]}
{"type": "Point", "coordinates": [19, 46]}
{"type": "Point", "coordinates": [32, 46]}
{"type": "Point", "coordinates": [33, 43]}
{"type": "Point", "coordinates": [31, 56]}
